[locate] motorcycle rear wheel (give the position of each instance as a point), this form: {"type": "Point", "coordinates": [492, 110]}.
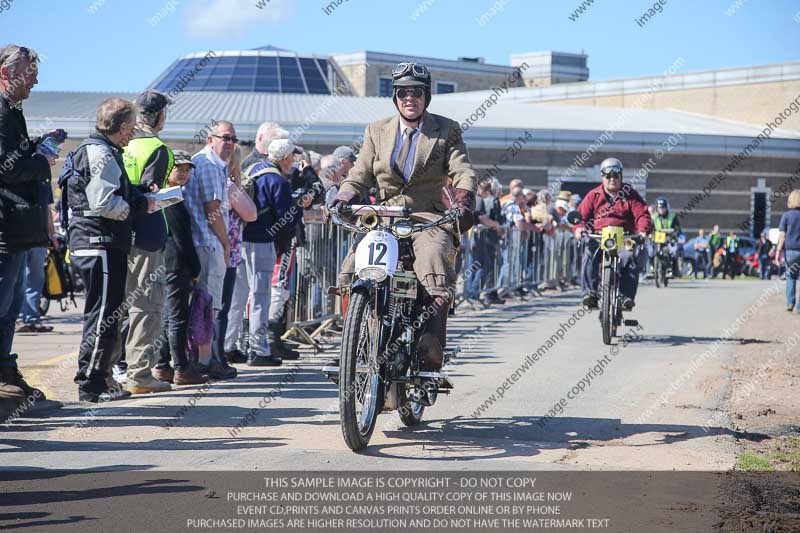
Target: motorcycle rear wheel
{"type": "Point", "coordinates": [361, 389]}
{"type": "Point", "coordinates": [410, 411]}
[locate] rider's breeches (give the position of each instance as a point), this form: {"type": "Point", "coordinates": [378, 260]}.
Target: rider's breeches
{"type": "Point", "coordinates": [591, 270]}
{"type": "Point", "coordinates": [432, 263]}
{"type": "Point", "coordinates": [259, 260]}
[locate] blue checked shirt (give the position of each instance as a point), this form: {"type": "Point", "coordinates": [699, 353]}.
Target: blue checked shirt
{"type": "Point", "coordinates": [207, 182]}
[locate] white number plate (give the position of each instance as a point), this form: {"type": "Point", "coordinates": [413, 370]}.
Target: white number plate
{"type": "Point", "coordinates": [377, 249]}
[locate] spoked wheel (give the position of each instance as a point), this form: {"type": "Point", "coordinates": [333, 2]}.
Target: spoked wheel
{"type": "Point", "coordinates": [607, 307]}
{"type": "Point", "coordinates": [663, 273]}
{"type": "Point", "coordinates": [410, 411]}
{"type": "Point", "coordinates": [657, 270]}
{"type": "Point", "coordinates": [361, 391]}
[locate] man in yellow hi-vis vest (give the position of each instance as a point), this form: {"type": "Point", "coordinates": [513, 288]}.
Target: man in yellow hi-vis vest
{"type": "Point", "coordinates": [664, 219]}
{"type": "Point", "coordinates": [148, 162]}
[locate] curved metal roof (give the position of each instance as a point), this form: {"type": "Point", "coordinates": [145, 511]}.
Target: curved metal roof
{"type": "Point", "coordinates": [263, 70]}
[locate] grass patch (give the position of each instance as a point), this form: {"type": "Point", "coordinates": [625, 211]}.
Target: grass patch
{"type": "Point", "coordinates": [791, 454]}
{"type": "Point", "coordinates": [751, 462]}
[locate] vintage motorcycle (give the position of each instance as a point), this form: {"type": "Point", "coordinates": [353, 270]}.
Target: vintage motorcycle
{"type": "Point", "coordinates": [611, 239]}
{"type": "Point", "coordinates": [380, 368]}
{"type": "Point", "coordinates": [666, 247]}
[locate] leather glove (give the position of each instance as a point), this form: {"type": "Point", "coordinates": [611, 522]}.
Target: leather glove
{"type": "Point", "coordinates": [343, 197]}
{"type": "Point", "coordinates": [465, 200]}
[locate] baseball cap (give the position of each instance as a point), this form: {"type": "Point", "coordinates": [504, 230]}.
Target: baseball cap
{"type": "Point", "coordinates": [280, 148]}
{"type": "Point", "coordinates": [344, 152]}
{"type": "Point", "coordinates": [562, 204]}
{"type": "Point", "coordinates": [151, 102]}
{"type": "Point", "coordinates": [182, 157]}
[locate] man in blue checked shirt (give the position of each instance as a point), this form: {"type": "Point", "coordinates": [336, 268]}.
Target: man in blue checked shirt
{"type": "Point", "coordinates": [206, 197]}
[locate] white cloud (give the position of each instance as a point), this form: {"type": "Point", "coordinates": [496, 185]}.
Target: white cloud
{"type": "Point", "coordinates": [219, 19]}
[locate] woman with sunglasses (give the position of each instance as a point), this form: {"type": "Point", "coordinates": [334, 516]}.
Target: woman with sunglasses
{"type": "Point", "coordinates": [409, 157]}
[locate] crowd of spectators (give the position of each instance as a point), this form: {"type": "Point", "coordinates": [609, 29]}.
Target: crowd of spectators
{"type": "Point", "coordinates": [166, 283]}
{"type": "Point", "coordinates": [169, 286]}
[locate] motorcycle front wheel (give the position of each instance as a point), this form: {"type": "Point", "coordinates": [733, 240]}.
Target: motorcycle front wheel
{"type": "Point", "coordinates": [607, 303]}
{"type": "Point", "coordinates": [361, 389]}
{"type": "Point", "coordinates": [657, 271]}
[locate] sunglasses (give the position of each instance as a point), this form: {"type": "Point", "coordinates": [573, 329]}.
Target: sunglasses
{"type": "Point", "coordinates": [420, 71]}
{"type": "Point", "coordinates": [416, 92]}
{"type": "Point", "coordinates": [613, 176]}
{"type": "Point", "coordinates": [226, 138]}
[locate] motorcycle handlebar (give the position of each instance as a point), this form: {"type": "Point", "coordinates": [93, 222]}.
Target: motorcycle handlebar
{"type": "Point", "coordinates": [451, 215]}
{"type": "Point", "coordinates": [635, 237]}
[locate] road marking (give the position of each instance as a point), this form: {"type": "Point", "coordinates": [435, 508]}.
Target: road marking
{"type": "Point", "coordinates": [33, 374]}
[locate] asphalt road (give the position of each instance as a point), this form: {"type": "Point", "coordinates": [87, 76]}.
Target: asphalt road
{"type": "Point", "coordinates": [645, 411]}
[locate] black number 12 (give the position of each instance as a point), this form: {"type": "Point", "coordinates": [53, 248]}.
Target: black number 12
{"type": "Point", "coordinates": [381, 248]}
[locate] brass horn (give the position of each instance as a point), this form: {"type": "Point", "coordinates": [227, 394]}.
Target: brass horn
{"type": "Point", "coordinates": [370, 220]}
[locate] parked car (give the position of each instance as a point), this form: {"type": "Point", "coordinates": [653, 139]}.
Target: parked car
{"type": "Point", "coordinates": [744, 262]}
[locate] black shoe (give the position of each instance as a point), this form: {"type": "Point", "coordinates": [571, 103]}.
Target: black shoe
{"type": "Point", "coordinates": [627, 303]}
{"type": "Point", "coordinates": [108, 395]}
{"type": "Point", "coordinates": [590, 301]}
{"type": "Point", "coordinates": [235, 356]}
{"type": "Point", "coordinates": [228, 368]}
{"type": "Point", "coordinates": [264, 360]}
{"type": "Point", "coordinates": [214, 370]}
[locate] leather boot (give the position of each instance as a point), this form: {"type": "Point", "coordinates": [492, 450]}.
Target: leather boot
{"type": "Point", "coordinates": [8, 389]}
{"type": "Point", "coordinates": [433, 342]}
{"type": "Point", "coordinates": [20, 382]}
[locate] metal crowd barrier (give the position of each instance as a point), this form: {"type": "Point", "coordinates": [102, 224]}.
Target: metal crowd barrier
{"type": "Point", "coordinates": [519, 262]}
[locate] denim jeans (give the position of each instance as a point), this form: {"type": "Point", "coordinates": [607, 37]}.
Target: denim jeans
{"type": "Point", "coordinates": [241, 291]}
{"type": "Point", "coordinates": [221, 322]}
{"type": "Point", "coordinates": [30, 284]}
{"type": "Point", "coordinates": [10, 263]}
{"type": "Point", "coordinates": [792, 271]}
{"type": "Point", "coordinates": [591, 270]}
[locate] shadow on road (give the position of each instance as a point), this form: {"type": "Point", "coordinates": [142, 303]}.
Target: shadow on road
{"type": "Point", "coordinates": [680, 340]}
{"type": "Point", "coordinates": [17, 494]}
{"type": "Point", "coordinates": [465, 438]}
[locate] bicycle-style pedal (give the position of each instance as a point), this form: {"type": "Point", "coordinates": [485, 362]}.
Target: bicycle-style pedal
{"type": "Point", "coordinates": [631, 322]}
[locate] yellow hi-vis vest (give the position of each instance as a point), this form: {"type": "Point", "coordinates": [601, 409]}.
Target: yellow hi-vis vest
{"type": "Point", "coordinates": [667, 224]}
{"type": "Point", "coordinates": [138, 153]}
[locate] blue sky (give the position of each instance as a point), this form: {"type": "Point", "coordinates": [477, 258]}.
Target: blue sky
{"type": "Point", "coordinates": [115, 48]}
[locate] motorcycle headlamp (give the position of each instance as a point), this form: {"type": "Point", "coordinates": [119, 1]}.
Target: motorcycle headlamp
{"type": "Point", "coordinates": [372, 273]}
{"type": "Point", "coordinates": [629, 244]}
{"type": "Point", "coordinates": [403, 229]}
{"type": "Point", "coordinates": [610, 244]}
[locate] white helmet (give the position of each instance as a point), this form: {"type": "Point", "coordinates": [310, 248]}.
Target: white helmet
{"type": "Point", "coordinates": [611, 165]}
